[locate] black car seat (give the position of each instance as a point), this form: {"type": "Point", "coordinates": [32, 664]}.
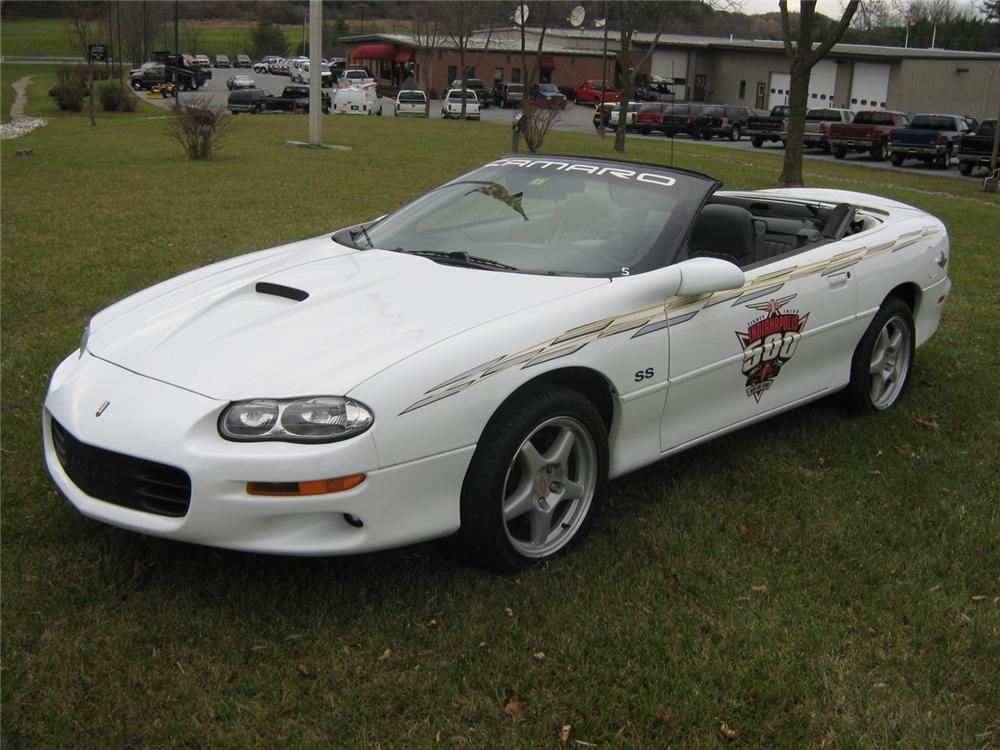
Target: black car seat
{"type": "Point", "coordinates": [723, 231]}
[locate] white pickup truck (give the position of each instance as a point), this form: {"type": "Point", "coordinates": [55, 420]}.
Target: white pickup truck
{"type": "Point", "coordinates": [452, 104]}
{"type": "Point", "coordinates": [354, 77]}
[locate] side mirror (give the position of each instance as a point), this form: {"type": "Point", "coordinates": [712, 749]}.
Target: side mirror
{"type": "Point", "coordinates": [703, 275]}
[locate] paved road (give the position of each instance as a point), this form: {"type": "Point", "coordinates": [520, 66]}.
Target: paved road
{"type": "Point", "coordinates": [576, 118]}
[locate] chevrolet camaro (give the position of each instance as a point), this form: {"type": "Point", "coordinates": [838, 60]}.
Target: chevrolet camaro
{"type": "Point", "coordinates": [479, 363]}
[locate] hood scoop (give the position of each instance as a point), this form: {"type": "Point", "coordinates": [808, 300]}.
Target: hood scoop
{"type": "Point", "coordinates": [280, 290]}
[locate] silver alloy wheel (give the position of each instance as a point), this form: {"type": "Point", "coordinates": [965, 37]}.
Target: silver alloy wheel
{"type": "Point", "coordinates": [549, 487]}
{"type": "Point", "coordinates": [889, 363]}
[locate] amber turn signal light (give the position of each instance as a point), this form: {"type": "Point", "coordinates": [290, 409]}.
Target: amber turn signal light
{"type": "Point", "coordinates": [317, 487]}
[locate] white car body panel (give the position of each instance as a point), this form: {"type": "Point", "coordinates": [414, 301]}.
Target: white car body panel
{"type": "Point", "coordinates": [355, 100]}
{"type": "Point", "coordinates": [434, 350]}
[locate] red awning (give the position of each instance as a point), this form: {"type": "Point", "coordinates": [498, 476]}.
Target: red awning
{"type": "Point", "coordinates": [548, 62]}
{"type": "Point", "coordinates": [375, 51]}
{"type": "Point", "coordinates": [405, 56]}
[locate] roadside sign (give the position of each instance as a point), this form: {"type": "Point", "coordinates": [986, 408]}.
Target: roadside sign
{"type": "Point", "coordinates": [98, 53]}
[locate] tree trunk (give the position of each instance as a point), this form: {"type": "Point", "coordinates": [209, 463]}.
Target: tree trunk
{"type": "Point", "coordinates": [626, 97]}
{"type": "Point", "coordinates": [798, 100]}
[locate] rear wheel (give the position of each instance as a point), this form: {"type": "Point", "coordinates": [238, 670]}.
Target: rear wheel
{"type": "Point", "coordinates": [965, 167]}
{"type": "Point", "coordinates": [735, 134]}
{"type": "Point", "coordinates": [879, 151]}
{"type": "Point", "coordinates": [757, 141]}
{"type": "Point", "coordinates": [896, 159]}
{"type": "Point", "coordinates": [839, 152]}
{"type": "Point", "coordinates": [880, 370]}
{"type": "Point", "coordinates": [535, 480]}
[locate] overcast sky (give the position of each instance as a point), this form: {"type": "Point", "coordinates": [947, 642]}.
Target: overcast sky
{"type": "Point", "coordinates": [830, 8]}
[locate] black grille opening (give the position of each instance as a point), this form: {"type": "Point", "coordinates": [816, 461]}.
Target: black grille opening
{"type": "Point", "coordinates": [123, 480]}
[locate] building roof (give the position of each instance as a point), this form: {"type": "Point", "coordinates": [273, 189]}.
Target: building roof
{"type": "Point", "coordinates": [589, 42]}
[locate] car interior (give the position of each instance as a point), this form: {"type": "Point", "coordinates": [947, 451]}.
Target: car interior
{"type": "Point", "coordinates": [748, 231]}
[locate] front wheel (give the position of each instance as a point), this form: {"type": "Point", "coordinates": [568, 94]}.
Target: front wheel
{"type": "Point", "coordinates": [535, 480]}
{"type": "Point", "coordinates": [941, 162]}
{"type": "Point", "coordinates": [839, 152]}
{"type": "Point", "coordinates": [896, 159]}
{"type": "Point", "coordinates": [879, 151]}
{"type": "Point", "coordinates": [735, 134]}
{"type": "Point", "coordinates": [880, 369]}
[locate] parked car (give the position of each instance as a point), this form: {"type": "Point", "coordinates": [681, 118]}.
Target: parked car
{"type": "Point", "coordinates": [590, 92]}
{"type": "Point", "coordinates": [930, 138]}
{"type": "Point", "coordinates": [240, 82]}
{"type": "Point", "coordinates": [479, 363]}
{"type": "Point", "coordinates": [357, 100]}
{"type": "Point", "coordinates": [475, 84]}
{"type": "Point", "coordinates": [248, 100]}
{"type": "Point", "coordinates": [184, 74]}
{"type": "Point", "coordinates": [295, 65]}
{"type": "Point", "coordinates": [355, 77]}
{"type": "Point", "coordinates": [222, 61]}
{"type": "Point", "coordinates": [242, 61]}
{"type": "Point", "coordinates": [547, 95]}
{"type": "Point", "coordinates": [762, 130]}
{"type": "Point", "coordinates": [669, 119]}
{"type": "Point", "coordinates": [327, 77]}
{"type": "Point", "coordinates": [615, 115]}
{"type": "Point", "coordinates": [293, 98]}
{"type": "Point", "coordinates": [264, 64]}
{"type": "Point", "coordinates": [451, 105]}
{"type": "Point", "coordinates": [411, 102]}
{"type": "Point", "coordinates": [869, 131]}
{"type": "Point", "coordinates": [721, 120]}
{"type": "Point", "coordinates": [818, 123]}
{"type": "Point", "coordinates": [602, 114]}
{"type": "Point", "coordinates": [202, 61]}
{"type": "Point", "coordinates": [508, 95]}
{"type": "Point", "coordinates": [976, 150]}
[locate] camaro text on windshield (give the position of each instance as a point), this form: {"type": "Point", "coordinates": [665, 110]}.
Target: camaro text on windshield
{"type": "Point", "coordinates": [651, 178]}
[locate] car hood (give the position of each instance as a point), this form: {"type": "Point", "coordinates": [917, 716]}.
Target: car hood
{"type": "Point", "coordinates": [227, 331]}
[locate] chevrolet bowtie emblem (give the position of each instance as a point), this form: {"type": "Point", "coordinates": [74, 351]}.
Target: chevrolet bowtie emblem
{"type": "Point", "coordinates": [102, 408]}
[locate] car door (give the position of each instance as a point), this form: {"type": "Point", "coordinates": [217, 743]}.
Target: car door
{"type": "Point", "coordinates": [736, 356]}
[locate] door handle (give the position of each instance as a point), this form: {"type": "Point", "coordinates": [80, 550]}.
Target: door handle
{"type": "Point", "coordinates": [838, 280]}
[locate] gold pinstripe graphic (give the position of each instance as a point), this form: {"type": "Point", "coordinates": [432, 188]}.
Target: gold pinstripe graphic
{"type": "Point", "coordinates": [658, 317]}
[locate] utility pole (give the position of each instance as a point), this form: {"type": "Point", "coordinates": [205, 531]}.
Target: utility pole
{"type": "Point", "coordinates": [177, 53]}
{"type": "Point", "coordinates": [604, 68]}
{"type": "Point", "coordinates": [315, 73]}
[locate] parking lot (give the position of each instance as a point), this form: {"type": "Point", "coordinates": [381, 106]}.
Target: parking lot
{"type": "Point", "coordinates": [575, 118]}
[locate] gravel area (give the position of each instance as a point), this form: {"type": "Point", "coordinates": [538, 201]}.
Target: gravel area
{"type": "Point", "coordinates": [19, 122]}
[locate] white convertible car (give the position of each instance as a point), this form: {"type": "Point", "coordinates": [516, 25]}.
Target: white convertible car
{"type": "Point", "coordinates": [480, 362]}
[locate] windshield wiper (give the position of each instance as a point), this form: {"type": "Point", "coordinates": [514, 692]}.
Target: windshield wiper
{"type": "Point", "coordinates": [462, 258]}
{"type": "Point", "coordinates": [362, 230]}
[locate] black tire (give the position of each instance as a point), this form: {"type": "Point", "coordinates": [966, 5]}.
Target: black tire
{"type": "Point", "coordinates": [941, 162]}
{"type": "Point", "coordinates": [258, 108]}
{"type": "Point", "coordinates": [735, 134]}
{"type": "Point", "coordinates": [757, 141]}
{"type": "Point", "coordinates": [825, 147]}
{"type": "Point", "coordinates": [839, 152]}
{"type": "Point", "coordinates": [896, 159]}
{"type": "Point", "coordinates": [879, 151]}
{"type": "Point", "coordinates": [517, 456]}
{"type": "Point", "coordinates": [965, 167]}
{"type": "Point", "coordinates": [883, 359]}
{"type": "Point", "coordinates": [137, 85]}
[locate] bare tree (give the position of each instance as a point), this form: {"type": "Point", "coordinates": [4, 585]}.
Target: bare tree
{"type": "Point", "coordinates": [198, 127]}
{"type": "Point", "coordinates": [535, 121]}
{"type": "Point", "coordinates": [631, 14]}
{"type": "Point", "coordinates": [428, 37]}
{"type": "Point", "coordinates": [802, 56]}
{"type": "Point", "coordinates": [463, 21]}
{"type": "Point", "coordinates": [193, 34]}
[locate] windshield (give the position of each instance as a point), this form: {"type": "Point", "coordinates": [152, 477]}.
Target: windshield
{"type": "Point", "coordinates": [932, 122]}
{"type": "Point", "coordinates": [548, 88]}
{"type": "Point", "coordinates": [565, 215]}
{"type": "Point", "coordinates": [412, 96]}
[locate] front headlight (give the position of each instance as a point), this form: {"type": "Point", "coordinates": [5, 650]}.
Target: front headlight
{"type": "Point", "coordinates": [313, 419]}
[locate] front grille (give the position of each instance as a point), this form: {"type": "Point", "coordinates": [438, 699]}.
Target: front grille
{"type": "Point", "coordinates": [123, 480]}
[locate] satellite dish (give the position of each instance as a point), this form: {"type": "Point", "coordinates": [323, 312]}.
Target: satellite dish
{"type": "Point", "coordinates": [576, 17]}
{"type": "Point", "coordinates": [521, 14]}
{"type": "Point", "coordinates": [599, 23]}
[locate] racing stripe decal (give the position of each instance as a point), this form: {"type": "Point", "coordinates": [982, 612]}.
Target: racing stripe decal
{"type": "Point", "coordinates": [659, 317]}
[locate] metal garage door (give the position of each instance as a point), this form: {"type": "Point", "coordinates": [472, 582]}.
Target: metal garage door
{"type": "Point", "coordinates": [869, 86]}
{"type": "Point", "coordinates": [778, 92]}
{"type": "Point", "coordinates": [672, 64]}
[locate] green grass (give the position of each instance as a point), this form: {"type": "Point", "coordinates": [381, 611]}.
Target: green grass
{"type": "Point", "coordinates": [876, 538]}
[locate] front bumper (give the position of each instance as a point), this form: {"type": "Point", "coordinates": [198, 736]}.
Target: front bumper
{"type": "Point", "coordinates": [150, 420]}
{"type": "Point", "coordinates": [936, 149]}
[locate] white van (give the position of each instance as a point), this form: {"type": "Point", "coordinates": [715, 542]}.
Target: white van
{"type": "Point", "coordinates": [357, 100]}
{"type": "Point", "coordinates": [295, 68]}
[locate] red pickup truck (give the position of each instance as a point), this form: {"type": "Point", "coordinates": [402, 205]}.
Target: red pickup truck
{"type": "Point", "coordinates": [869, 131]}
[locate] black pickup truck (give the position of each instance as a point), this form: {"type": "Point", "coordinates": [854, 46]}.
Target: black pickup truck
{"type": "Point", "coordinates": [292, 99]}
{"type": "Point", "coordinates": [770, 128]}
{"type": "Point", "coordinates": [169, 68]}
{"type": "Point", "coordinates": [976, 150]}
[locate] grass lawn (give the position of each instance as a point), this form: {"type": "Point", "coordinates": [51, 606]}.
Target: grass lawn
{"type": "Point", "coordinates": [820, 580]}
